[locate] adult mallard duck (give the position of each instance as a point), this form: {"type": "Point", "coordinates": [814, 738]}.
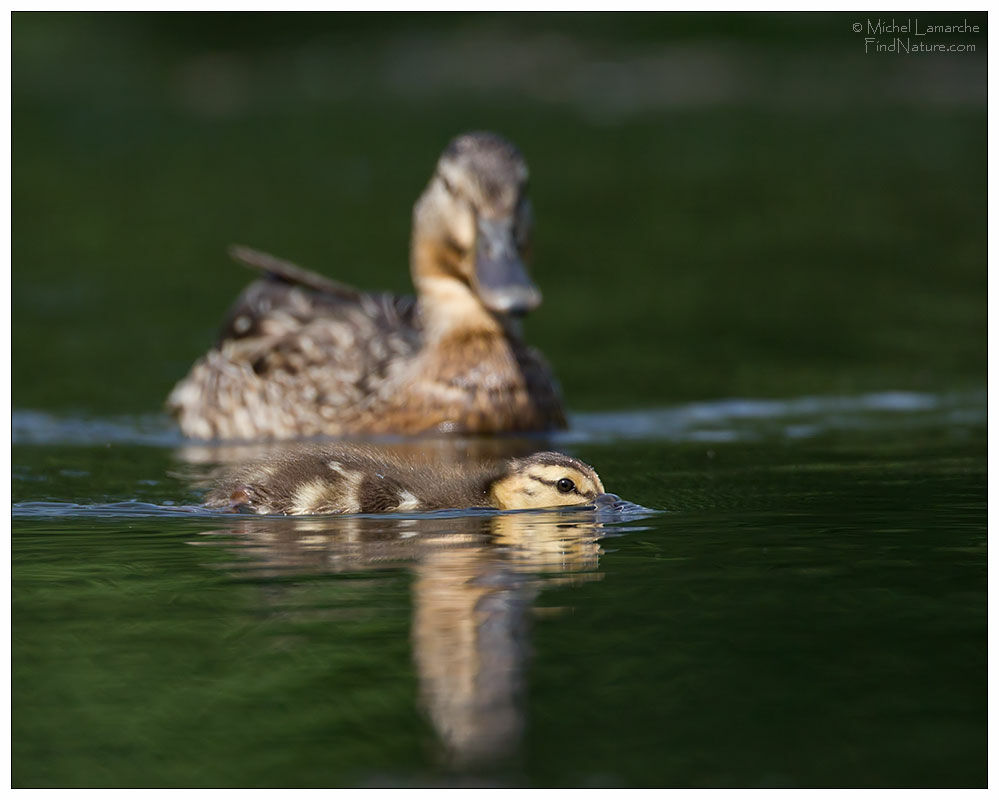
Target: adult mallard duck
{"type": "Point", "coordinates": [355, 479]}
{"type": "Point", "coordinates": [302, 355]}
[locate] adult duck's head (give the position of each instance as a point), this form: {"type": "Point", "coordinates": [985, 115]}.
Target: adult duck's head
{"type": "Point", "coordinates": [471, 228]}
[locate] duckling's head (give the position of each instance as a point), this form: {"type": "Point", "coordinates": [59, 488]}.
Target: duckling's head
{"type": "Point", "coordinates": [545, 480]}
{"type": "Point", "coordinates": [473, 223]}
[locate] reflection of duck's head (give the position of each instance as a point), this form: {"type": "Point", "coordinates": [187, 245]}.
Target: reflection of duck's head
{"type": "Point", "coordinates": [546, 480]}
{"type": "Point", "coordinates": [471, 228]}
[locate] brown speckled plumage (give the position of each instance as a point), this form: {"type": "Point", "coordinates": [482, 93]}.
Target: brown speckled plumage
{"type": "Point", "coordinates": [301, 355]}
{"type": "Point", "coordinates": [359, 479]}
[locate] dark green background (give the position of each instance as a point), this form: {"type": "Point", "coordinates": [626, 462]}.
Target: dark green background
{"type": "Point", "coordinates": [726, 204]}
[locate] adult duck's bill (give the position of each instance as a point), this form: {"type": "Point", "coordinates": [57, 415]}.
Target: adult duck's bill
{"type": "Point", "coordinates": [501, 279]}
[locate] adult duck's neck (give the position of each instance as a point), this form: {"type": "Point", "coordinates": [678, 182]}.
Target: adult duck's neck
{"type": "Point", "coordinates": [448, 305]}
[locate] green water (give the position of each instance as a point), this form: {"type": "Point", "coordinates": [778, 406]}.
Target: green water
{"type": "Point", "coordinates": [728, 206]}
{"type": "Point", "coordinates": [808, 613]}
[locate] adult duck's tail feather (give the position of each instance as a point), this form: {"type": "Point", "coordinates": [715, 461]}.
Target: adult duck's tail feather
{"type": "Point", "coordinates": [282, 270]}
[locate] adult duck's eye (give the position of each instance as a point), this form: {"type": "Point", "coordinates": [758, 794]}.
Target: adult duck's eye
{"type": "Point", "coordinates": [565, 485]}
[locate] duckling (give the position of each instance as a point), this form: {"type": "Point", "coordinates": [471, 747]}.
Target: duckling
{"type": "Point", "coordinates": [301, 355]}
{"type": "Point", "coordinates": [354, 479]}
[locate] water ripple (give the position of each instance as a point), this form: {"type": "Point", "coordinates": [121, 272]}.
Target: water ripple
{"type": "Point", "coordinates": [622, 511]}
{"type": "Point", "coordinates": [41, 427]}
{"type": "Point", "coordinates": [727, 420]}
{"type": "Point", "coordinates": [128, 508]}
{"type": "Point", "coordinates": [739, 419]}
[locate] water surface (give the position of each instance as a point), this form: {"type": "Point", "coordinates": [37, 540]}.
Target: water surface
{"type": "Point", "coordinates": [808, 610]}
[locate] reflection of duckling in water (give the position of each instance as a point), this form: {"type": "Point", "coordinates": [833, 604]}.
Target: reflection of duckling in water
{"type": "Point", "coordinates": [349, 479]}
{"type": "Point", "coordinates": [475, 579]}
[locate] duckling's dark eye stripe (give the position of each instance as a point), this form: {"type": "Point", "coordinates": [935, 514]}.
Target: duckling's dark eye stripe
{"type": "Point", "coordinates": [554, 485]}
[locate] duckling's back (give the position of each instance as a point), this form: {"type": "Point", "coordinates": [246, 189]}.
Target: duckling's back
{"type": "Point", "coordinates": [346, 479]}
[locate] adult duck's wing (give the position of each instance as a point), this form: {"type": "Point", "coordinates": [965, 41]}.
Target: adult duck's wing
{"type": "Point", "coordinates": [297, 355]}
{"type": "Point", "coordinates": [286, 297]}
{"type": "Point", "coordinates": [315, 342]}
{"type": "Point", "coordinates": [290, 297]}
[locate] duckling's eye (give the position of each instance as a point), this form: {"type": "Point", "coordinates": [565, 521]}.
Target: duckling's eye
{"type": "Point", "coordinates": [565, 485]}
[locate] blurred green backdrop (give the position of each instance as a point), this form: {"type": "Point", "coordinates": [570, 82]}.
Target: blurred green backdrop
{"type": "Point", "coordinates": [726, 204]}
